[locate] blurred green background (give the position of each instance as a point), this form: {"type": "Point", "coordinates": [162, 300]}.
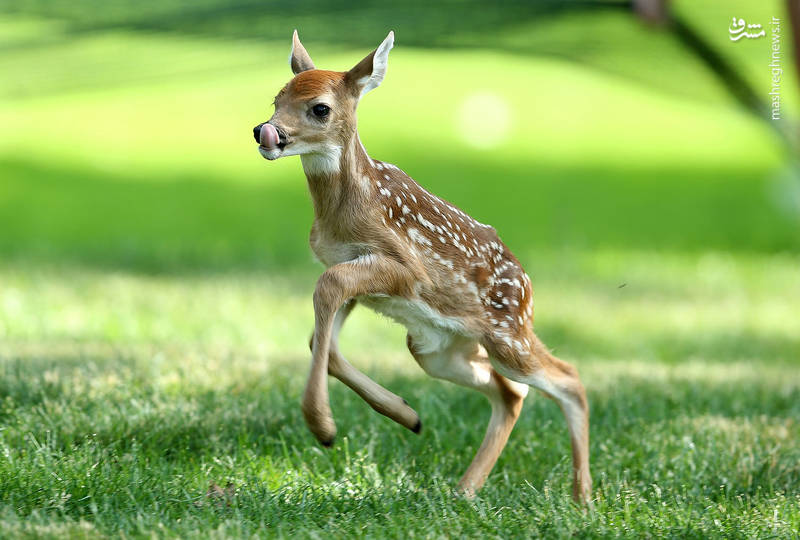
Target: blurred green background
{"type": "Point", "coordinates": [126, 130]}
{"type": "Point", "coordinates": [156, 279]}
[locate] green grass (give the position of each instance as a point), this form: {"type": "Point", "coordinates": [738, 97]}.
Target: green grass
{"type": "Point", "coordinates": [125, 396]}
{"type": "Point", "coordinates": [155, 279]}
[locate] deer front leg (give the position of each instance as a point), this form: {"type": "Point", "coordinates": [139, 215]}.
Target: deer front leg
{"type": "Point", "coordinates": [370, 274]}
{"type": "Point", "coordinates": [379, 398]}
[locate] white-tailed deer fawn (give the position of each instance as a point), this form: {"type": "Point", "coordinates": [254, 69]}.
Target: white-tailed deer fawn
{"type": "Point", "coordinates": [396, 248]}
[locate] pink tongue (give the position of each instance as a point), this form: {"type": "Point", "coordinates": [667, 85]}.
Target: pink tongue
{"type": "Point", "coordinates": [268, 137]}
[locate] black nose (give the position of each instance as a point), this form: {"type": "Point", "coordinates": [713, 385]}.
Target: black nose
{"type": "Point", "coordinates": [257, 132]}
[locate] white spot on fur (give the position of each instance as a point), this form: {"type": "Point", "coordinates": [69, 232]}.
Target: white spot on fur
{"type": "Point", "coordinates": [418, 237]}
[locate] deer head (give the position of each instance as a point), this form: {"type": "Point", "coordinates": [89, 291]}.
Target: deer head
{"type": "Point", "coordinates": [315, 113]}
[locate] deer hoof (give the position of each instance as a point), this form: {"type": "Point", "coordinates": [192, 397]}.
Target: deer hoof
{"type": "Point", "coordinates": [328, 442]}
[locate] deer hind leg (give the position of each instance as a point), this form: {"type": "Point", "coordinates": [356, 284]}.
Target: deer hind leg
{"type": "Point", "coordinates": [466, 363]}
{"type": "Point", "coordinates": [527, 360]}
{"type": "Point", "coordinates": [379, 398]}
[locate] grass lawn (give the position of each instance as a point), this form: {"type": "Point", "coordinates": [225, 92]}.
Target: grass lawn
{"type": "Point", "coordinates": [155, 280]}
{"type": "Point", "coordinates": [125, 396]}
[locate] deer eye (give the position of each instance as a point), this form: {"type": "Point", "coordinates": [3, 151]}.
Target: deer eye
{"type": "Point", "coordinates": [320, 110]}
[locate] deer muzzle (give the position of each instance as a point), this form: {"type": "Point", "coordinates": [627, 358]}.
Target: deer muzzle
{"type": "Point", "coordinates": [267, 136]}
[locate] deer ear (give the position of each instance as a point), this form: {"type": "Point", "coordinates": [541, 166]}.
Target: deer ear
{"type": "Point", "coordinates": [299, 58]}
{"type": "Point", "coordinates": [369, 73]}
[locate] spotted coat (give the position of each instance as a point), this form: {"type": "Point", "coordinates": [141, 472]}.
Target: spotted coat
{"type": "Point", "coordinates": [469, 268]}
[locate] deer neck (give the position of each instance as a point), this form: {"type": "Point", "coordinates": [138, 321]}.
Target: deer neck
{"type": "Point", "coordinates": [338, 180]}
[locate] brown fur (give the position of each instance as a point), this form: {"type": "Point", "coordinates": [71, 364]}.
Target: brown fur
{"type": "Point", "coordinates": [310, 84]}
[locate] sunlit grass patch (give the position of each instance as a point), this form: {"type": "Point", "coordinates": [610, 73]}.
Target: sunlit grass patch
{"type": "Point", "coordinates": [159, 103]}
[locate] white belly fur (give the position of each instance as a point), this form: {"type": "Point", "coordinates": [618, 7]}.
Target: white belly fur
{"type": "Point", "coordinates": [430, 330]}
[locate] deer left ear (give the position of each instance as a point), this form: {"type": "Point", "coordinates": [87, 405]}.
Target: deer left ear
{"type": "Point", "coordinates": [299, 59]}
{"type": "Point", "coordinates": [369, 73]}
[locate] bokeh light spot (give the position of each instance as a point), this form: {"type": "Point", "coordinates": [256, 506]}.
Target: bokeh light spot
{"type": "Point", "coordinates": [484, 120]}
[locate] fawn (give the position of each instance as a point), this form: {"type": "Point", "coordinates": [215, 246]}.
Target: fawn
{"type": "Point", "coordinates": [391, 245]}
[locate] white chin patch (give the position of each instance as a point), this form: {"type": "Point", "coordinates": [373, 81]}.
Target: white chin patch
{"type": "Point", "coordinates": [269, 154]}
{"type": "Point", "coordinates": [322, 162]}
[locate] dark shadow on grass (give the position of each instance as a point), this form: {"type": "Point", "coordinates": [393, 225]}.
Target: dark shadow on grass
{"type": "Point", "coordinates": [421, 23]}
{"type": "Point", "coordinates": [185, 223]}
{"type": "Point", "coordinates": [190, 223]}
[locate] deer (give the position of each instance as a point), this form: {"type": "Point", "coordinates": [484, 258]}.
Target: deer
{"type": "Point", "coordinates": [392, 246]}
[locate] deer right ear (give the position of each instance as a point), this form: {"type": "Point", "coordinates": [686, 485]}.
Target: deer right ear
{"type": "Point", "coordinates": [299, 58]}
{"type": "Point", "coordinates": [369, 73]}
